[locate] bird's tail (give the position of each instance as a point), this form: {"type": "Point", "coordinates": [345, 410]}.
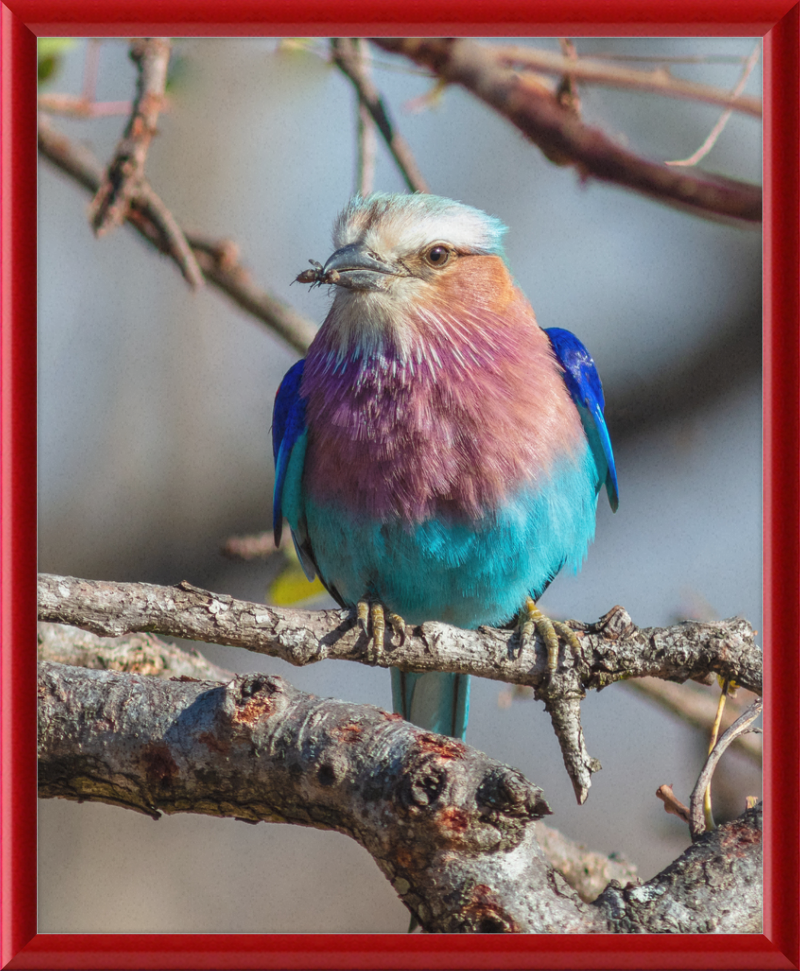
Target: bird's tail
{"type": "Point", "coordinates": [436, 701]}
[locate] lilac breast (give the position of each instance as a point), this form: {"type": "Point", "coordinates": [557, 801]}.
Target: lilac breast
{"type": "Point", "coordinates": [447, 427]}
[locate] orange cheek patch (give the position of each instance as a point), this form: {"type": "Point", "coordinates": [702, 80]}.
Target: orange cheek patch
{"type": "Point", "coordinates": [474, 283]}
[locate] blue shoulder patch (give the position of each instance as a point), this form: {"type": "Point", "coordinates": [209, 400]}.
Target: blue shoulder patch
{"type": "Point", "coordinates": [288, 424]}
{"type": "Point", "coordinates": [583, 384]}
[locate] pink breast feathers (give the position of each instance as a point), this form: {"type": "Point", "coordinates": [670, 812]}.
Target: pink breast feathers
{"type": "Point", "coordinates": [466, 409]}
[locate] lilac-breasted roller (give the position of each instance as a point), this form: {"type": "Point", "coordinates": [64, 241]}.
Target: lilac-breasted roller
{"type": "Point", "coordinates": [438, 455]}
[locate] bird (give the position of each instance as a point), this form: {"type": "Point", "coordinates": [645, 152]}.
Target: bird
{"type": "Point", "coordinates": [438, 455]}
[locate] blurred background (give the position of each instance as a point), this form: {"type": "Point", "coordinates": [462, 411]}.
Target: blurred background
{"type": "Point", "coordinates": [154, 432]}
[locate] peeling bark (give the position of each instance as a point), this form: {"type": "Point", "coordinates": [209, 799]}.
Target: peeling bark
{"type": "Point", "coordinates": [452, 829]}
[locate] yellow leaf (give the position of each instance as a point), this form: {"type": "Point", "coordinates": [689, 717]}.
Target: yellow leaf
{"type": "Point", "coordinates": [292, 587]}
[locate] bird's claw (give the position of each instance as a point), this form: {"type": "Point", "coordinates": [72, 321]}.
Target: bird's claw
{"type": "Point", "coordinates": [550, 631]}
{"type": "Point", "coordinates": [372, 618]}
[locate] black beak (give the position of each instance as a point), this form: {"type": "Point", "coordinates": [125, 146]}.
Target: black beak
{"type": "Point", "coordinates": [356, 268]}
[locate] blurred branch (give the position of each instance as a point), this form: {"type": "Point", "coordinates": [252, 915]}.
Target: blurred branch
{"type": "Point", "coordinates": [137, 654]}
{"type": "Point", "coordinates": [587, 872]}
{"type": "Point", "coordinates": [452, 830]}
{"type": "Point", "coordinates": [217, 259]}
{"type": "Point", "coordinates": [723, 119]}
{"type": "Point", "coordinates": [557, 132]}
{"type": "Point", "coordinates": [77, 106]}
{"type": "Point", "coordinates": [367, 129]}
{"type": "Point", "coordinates": [696, 707]}
{"type": "Point", "coordinates": [347, 59]}
{"type": "Point", "coordinates": [251, 547]}
{"type": "Point", "coordinates": [596, 71]}
{"type": "Point", "coordinates": [613, 649]}
{"type": "Point", "coordinates": [85, 104]}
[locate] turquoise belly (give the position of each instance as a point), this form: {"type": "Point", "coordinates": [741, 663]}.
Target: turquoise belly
{"type": "Point", "coordinates": [462, 573]}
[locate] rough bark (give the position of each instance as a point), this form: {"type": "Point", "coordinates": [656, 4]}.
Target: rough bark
{"type": "Point", "coordinates": [450, 828]}
{"type": "Point", "coordinates": [611, 650]}
{"type": "Point", "coordinates": [584, 870]}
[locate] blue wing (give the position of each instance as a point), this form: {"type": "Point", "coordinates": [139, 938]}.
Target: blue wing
{"type": "Point", "coordinates": [288, 450]}
{"type": "Point", "coordinates": [583, 383]}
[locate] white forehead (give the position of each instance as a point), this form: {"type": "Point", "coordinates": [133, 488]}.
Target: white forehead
{"type": "Point", "coordinates": [398, 224]}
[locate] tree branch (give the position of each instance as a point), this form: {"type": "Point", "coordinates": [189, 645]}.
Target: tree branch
{"type": "Point", "coordinates": [697, 822]}
{"type": "Point", "coordinates": [346, 58]}
{"type": "Point", "coordinates": [696, 707]}
{"type": "Point", "coordinates": [612, 650]}
{"type": "Point", "coordinates": [136, 654]}
{"type": "Point", "coordinates": [559, 133]}
{"type": "Point", "coordinates": [124, 181]}
{"type": "Point", "coordinates": [125, 172]}
{"type": "Point", "coordinates": [218, 259]}
{"type": "Point", "coordinates": [597, 71]}
{"type": "Point", "coordinates": [585, 871]}
{"type": "Point", "coordinates": [450, 828]}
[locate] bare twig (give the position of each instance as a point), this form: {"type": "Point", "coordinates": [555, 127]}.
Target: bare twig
{"type": "Point", "coordinates": [251, 547]}
{"type": "Point", "coordinates": [671, 802]}
{"type": "Point", "coordinates": [179, 246]}
{"type": "Point", "coordinates": [124, 183]}
{"type": "Point", "coordinates": [707, 809]}
{"type": "Point", "coordinates": [126, 170]}
{"type": "Point", "coordinates": [557, 132]}
{"type": "Point", "coordinates": [345, 57]}
{"type": "Point", "coordinates": [722, 121]}
{"type": "Point", "coordinates": [697, 823]}
{"type": "Point", "coordinates": [366, 129]}
{"type": "Point", "coordinates": [216, 258]}
{"type": "Point", "coordinates": [597, 71]}
{"type": "Point", "coordinates": [84, 105]}
{"type": "Point", "coordinates": [612, 650]}
{"type": "Point", "coordinates": [584, 870]}
{"type": "Point", "coordinates": [76, 106]}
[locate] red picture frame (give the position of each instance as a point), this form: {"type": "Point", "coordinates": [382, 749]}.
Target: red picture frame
{"type": "Point", "coordinates": [20, 22]}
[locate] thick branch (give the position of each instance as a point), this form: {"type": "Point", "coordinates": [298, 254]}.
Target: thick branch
{"type": "Point", "coordinates": [450, 828]}
{"type": "Point", "coordinates": [560, 134]}
{"type": "Point", "coordinates": [585, 871]}
{"type": "Point", "coordinates": [613, 649]}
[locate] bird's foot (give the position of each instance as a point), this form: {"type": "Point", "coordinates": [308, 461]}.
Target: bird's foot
{"type": "Point", "coordinates": [372, 618]}
{"type": "Point", "coordinates": [550, 631]}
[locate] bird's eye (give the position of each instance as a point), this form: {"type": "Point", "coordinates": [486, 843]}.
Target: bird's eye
{"type": "Point", "coordinates": [438, 255]}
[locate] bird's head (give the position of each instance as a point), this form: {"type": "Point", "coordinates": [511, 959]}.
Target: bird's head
{"type": "Point", "coordinates": [397, 256]}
